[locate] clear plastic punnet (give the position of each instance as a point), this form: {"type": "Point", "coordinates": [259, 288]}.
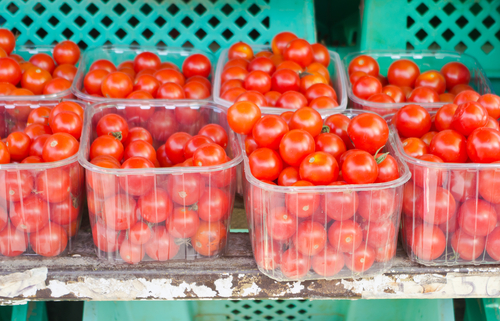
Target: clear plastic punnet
{"type": "Point", "coordinates": [450, 211]}
{"type": "Point", "coordinates": [282, 219]}
{"type": "Point", "coordinates": [120, 53]}
{"type": "Point", "coordinates": [41, 204]}
{"type": "Point", "coordinates": [426, 60]}
{"type": "Point", "coordinates": [26, 52]}
{"type": "Point", "coordinates": [184, 212]}
{"type": "Point", "coordinates": [337, 76]}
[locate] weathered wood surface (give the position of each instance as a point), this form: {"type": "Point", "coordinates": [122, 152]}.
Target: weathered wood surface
{"type": "Point", "coordinates": [81, 275]}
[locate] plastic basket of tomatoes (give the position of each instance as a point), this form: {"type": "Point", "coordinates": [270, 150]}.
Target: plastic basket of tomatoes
{"type": "Point", "coordinates": [41, 71]}
{"type": "Point", "coordinates": [451, 203]}
{"type": "Point", "coordinates": [145, 73]}
{"type": "Point", "coordinates": [41, 181]}
{"type": "Point", "coordinates": [274, 81]}
{"type": "Point", "coordinates": [161, 188]}
{"type": "Point", "coordinates": [385, 81]}
{"type": "Point", "coordinates": [317, 207]}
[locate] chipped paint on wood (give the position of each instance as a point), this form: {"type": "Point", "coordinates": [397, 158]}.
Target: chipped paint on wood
{"type": "Point", "coordinates": [23, 283]}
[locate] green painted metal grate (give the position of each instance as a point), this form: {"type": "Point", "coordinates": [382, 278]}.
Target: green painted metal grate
{"type": "Point", "coordinates": [466, 26]}
{"type": "Point", "coordinates": [204, 24]}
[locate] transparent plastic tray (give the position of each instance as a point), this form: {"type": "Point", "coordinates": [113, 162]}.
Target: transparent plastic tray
{"type": "Point", "coordinates": [372, 206]}
{"type": "Point", "coordinates": [39, 210]}
{"type": "Point", "coordinates": [337, 76]}
{"type": "Point", "coordinates": [114, 190]}
{"type": "Point", "coordinates": [426, 60]}
{"type": "Point", "coordinates": [120, 53]}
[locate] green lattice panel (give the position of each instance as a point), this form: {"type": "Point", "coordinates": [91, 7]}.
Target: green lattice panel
{"type": "Point", "coordinates": [468, 26]}
{"type": "Point", "coordinates": [204, 24]}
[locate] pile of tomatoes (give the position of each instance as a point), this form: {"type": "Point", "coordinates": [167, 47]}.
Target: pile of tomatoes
{"type": "Point", "coordinates": [293, 75]}
{"type": "Point", "coordinates": [165, 215]}
{"type": "Point", "coordinates": [453, 206]}
{"type": "Point", "coordinates": [40, 208]}
{"type": "Point", "coordinates": [42, 74]}
{"type": "Point", "coordinates": [405, 83]}
{"type": "Point", "coordinates": [146, 77]}
{"type": "Point", "coordinates": [301, 227]}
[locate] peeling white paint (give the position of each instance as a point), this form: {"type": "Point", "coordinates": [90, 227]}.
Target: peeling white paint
{"type": "Point", "coordinates": [224, 286]}
{"type": "Point", "coordinates": [23, 283]}
{"type": "Point", "coordinates": [254, 289]}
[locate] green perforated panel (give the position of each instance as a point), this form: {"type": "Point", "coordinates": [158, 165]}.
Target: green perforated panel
{"type": "Point", "coordinates": [468, 26]}
{"type": "Point", "coordinates": [204, 24]}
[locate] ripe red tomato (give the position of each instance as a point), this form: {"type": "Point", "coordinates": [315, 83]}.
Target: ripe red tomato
{"type": "Point", "coordinates": [269, 130]}
{"type": "Point", "coordinates": [321, 54]}
{"type": "Point", "coordinates": [146, 60]}
{"type": "Point", "coordinates": [295, 146]}
{"type": "Point", "coordinates": [162, 124]}
{"type": "Point", "coordinates": [483, 145]}
{"type": "Point", "coordinates": [130, 252]}
{"type": "Point", "coordinates": [232, 83]}
{"type": "Point", "coordinates": [265, 164]}
{"type": "Point", "coordinates": [106, 145]}
{"type": "Point", "coordinates": [415, 147]}
{"type": "Point", "coordinates": [360, 260]}
{"type": "Point", "coordinates": [387, 169]}
{"type": "Point", "coordinates": [468, 117]}
{"type": "Point", "coordinates": [423, 95]}
{"type": "Point", "coordinates": [116, 85]}
{"type": "Point", "coordinates": [185, 189]}
{"type": "Point", "coordinates": [170, 75]}
{"type": "Point", "coordinates": [340, 205]}
{"type": "Point", "coordinates": [450, 146]}
{"type": "Point", "coordinates": [366, 87]}
{"type": "Point", "coordinates": [210, 239]}
{"type": "Point", "coordinates": [477, 217]}
{"type": "Point", "coordinates": [427, 137]}
{"type": "Point", "coordinates": [18, 185]}
{"type": "Point", "coordinates": [302, 204]}
{"type": "Point", "coordinates": [381, 98]}
{"type": "Point", "coordinates": [320, 90]}
{"type": "Point", "coordinates": [380, 204]}
{"type": "Point", "coordinates": [368, 132]}
{"type": "Point", "coordinates": [236, 62]}
{"type": "Point", "coordinates": [288, 176]}
{"type": "Point", "coordinates": [360, 168]}
{"type": "Point", "coordinates": [319, 168]}
{"type": "Point", "coordinates": [140, 148]}
{"type": "Point", "coordinates": [310, 238]}
{"type": "Point", "coordinates": [18, 144]}
{"type": "Point", "coordinates": [93, 81]}
{"type": "Point", "coordinates": [444, 116]}
{"type": "Point", "coordinates": [234, 72]}
{"type": "Point", "coordinates": [489, 185]}
{"type": "Point", "coordinates": [213, 205]}
{"type": "Point", "coordinates": [161, 246]}
{"type": "Point", "coordinates": [137, 185]}
{"type": "Point", "coordinates": [155, 206]}
{"type": "Point", "coordinates": [436, 208]}
{"type": "Point", "coordinates": [215, 132]}
{"type": "Point", "coordinates": [267, 254]}
{"type": "Point", "coordinates": [30, 215]}
{"type": "Point", "coordinates": [306, 119]}
{"type": "Point", "coordinates": [4, 154]}
{"type": "Point", "coordinates": [119, 212]}
{"type": "Point", "coordinates": [242, 116]}
{"type": "Point", "coordinates": [55, 86]}
{"type": "Point", "coordinates": [262, 64]}
{"type": "Point", "coordinates": [281, 40]}
{"type": "Point", "coordinates": [103, 64]}
{"type": "Point", "coordinates": [364, 63]}
{"type": "Point", "coordinates": [422, 175]}
{"type": "Point", "coordinates": [492, 104]}
{"type": "Point", "coordinates": [468, 247]}
{"type": "Point", "coordinates": [345, 236]}
{"type": "Point", "coordinates": [257, 80]}
{"type": "Point", "coordinates": [379, 234]}
{"type": "Point", "coordinates": [395, 92]}
{"type": "Point", "coordinates": [338, 124]}
{"type": "Point", "coordinates": [466, 96]}
{"type": "Point", "coordinates": [34, 79]}
{"type": "Point", "coordinates": [65, 212]}
{"type": "Point", "coordinates": [294, 265]}
{"type": "Point", "coordinates": [254, 97]}
{"type": "Point", "coordinates": [13, 241]}
{"type": "Point", "coordinates": [196, 65]}
{"type": "Point", "coordinates": [183, 223]}
{"type": "Point", "coordinates": [432, 79]}
{"type": "Point", "coordinates": [284, 80]}
{"type": "Point", "coordinates": [240, 50]}
{"type": "Point", "coordinates": [331, 144]}
{"type": "Point", "coordinates": [9, 70]}
{"type": "Point", "coordinates": [299, 51]}
{"type": "Point", "coordinates": [208, 155]}
{"type": "Point", "coordinates": [429, 242]}
{"type": "Point", "coordinates": [328, 262]}
{"type": "Point", "coordinates": [138, 133]}
{"type": "Point", "coordinates": [455, 73]}
{"type": "Point", "coordinates": [403, 72]}
{"type": "Point", "coordinates": [49, 241]}
{"type": "Point", "coordinates": [7, 40]}
{"type": "Point", "coordinates": [43, 61]}
{"type": "Point", "coordinates": [113, 125]}
{"type": "Point", "coordinates": [53, 185]}
{"type": "Point", "coordinates": [291, 100]}
{"type": "Point", "coordinates": [67, 122]}
{"type": "Point", "coordinates": [66, 52]}
{"type": "Point", "coordinates": [147, 83]}
{"type": "Point", "coordinates": [492, 245]}
{"type": "Point", "coordinates": [170, 90]}
{"type": "Point", "coordinates": [196, 90]}
{"type": "Point", "coordinates": [174, 147]}
{"type": "Point", "coordinates": [412, 121]}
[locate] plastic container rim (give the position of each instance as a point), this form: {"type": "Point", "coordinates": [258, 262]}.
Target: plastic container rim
{"type": "Point", "coordinates": [403, 54]}
{"type": "Point", "coordinates": [49, 165]}
{"type": "Point", "coordinates": [405, 177]}
{"type": "Point", "coordinates": [334, 58]}
{"type": "Point", "coordinates": [80, 75]}
{"type": "Point", "coordinates": [144, 104]}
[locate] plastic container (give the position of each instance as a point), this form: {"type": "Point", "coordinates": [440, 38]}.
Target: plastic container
{"type": "Point", "coordinates": [118, 198]}
{"type": "Point", "coordinates": [337, 76]}
{"type": "Point", "coordinates": [26, 52]}
{"type": "Point", "coordinates": [426, 60]}
{"type": "Point", "coordinates": [464, 26]}
{"type": "Point", "coordinates": [38, 209]}
{"type": "Point", "coordinates": [374, 208]}
{"type": "Point", "coordinates": [442, 199]}
{"type": "Point", "coordinates": [120, 53]}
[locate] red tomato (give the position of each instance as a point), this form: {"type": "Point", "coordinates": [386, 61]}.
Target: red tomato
{"type": "Point", "coordinates": [50, 241]}
{"type": "Point", "coordinates": [423, 95]}
{"type": "Point", "coordinates": [269, 130]}
{"type": "Point", "coordinates": [459, 88]}
{"type": "Point", "coordinates": [413, 121]}
{"type": "Point", "coordinates": [295, 146]}
{"type": "Point", "coordinates": [66, 52]}
{"type": "Point", "coordinates": [116, 85]}
{"type": "Point", "coordinates": [171, 90]}
{"type": "Point", "coordinates": [468, 247]}
{"type": "Point", "coordinates": [103, 64]}
{"type": "Point", "coordinates": [492, 245]}
{"type": "Point", "coordinates": [242, 116]}
{"type": "Point", "coordinates": [483, 145]}
{"type": "Point", "coordinates": [299, 51]}
{"type": "Point", "coordinates": [360, 168]}
{"type": "Point", "coordinates": [238, 62]}
{"type": "Point", "coordinates": [55, 86]}
{"type": "Point", "coordinates": [368, 132]}
{"type": "Point", "coordinates": [7, 40]}
{"type": "Point", "coordinates": [162, 124]}
{"type": "Point", "coordinates": [341, 205]}
{"type": "Point", "coordinates": [288, 64]}
{"type": "Point", "coordinates": [446, 97]}
{"type": "Point", "coordinates": [427, 137]}
{"type": "Point", "coordinates": [432, 79]}
{"type": "Point", "coordinates": [4, 154]}
{"type": "Point", "coordinates": [155, 206]}
{"type": "Point", "coordinates": [455, 73]}
{"type": "Point", "coordinates": [194, 143]}
{"type": "Point", "coordinates": [13, 242]}
{"type": "Point", "coordinates": [65, 212]}
{"type": "Point", "coordinates": [140, 148]}
{"type": "Point", "coordinates": [67, 122]}
{"type": "Point", "coordinates": [338, 124]}
{"type": "Point", "coordinates": [492, 104]}
{"type": "Point", "coordinates": [18, 144]}
{"type": "Point", "coordinates": [415, 147]}
{"type": "Point", "coordinates": [323, 103]}
{"type": "Point", "coordinates": [208, 155]}
{"type": "Point", "coordinates": [429, 242]}
{"type": "Point", "coordinates": [147, 83]}
{"type": "Point", "coordinates": [477, 217]}
{"type": "Point", "coordinates": [130, 252]}
{"type": "Point", "coordinates": [183, 223]}
{"type": "Point", "coordinates": [321, 54]}
{"type": "Point", "coordinates": [215, 132]}
{"type": "Point", "coordinates": [403, 72]}
{"type": "Point", "coordinates": [354, 76]}
{"type": "Point", "coordinates": [146, 60]}
{"type": "Point", "coordinates": [423, 175]}
{"type": "Point", "coordinates": [119, 212]}
{"type": "Point", "coordinates": [306, 119]}
{"type": "Point", "coordinates": [466, 96]}
{"type": "Point", "coordinates": [106, 145]}
{"type": "Point", "coordinates": [309, 80]}
{"type": "Point", "coordinates": [53, 185]}
{"type": "Point", "coordinates": [196, 90]}
{"type": "Point", "coordinates": [196, 65]}
{"type": "Point", "coordinates": [381, 98]}
{"type": "Point", "coordinates": [254, 97]}
{"type": "Point", "coordinates": [200, 79]}
{"type": "Point", "coordinates": [161, 246]}
{"type": "Point", "coordinates": [450, 146]}
{"type": "Point", "coordinates": [319, 168]}
{"type": "Point", "coordinates": [170, 75]}
{"type": "Point", "coordinates": [310, 238]}
{"type": "Point", "coordinates": [364, 64]}
{"type": "Point", "coordinates": [281, 40]}
{"type": "Point", "coordinates": [468, 117]}
{"type": "Point", "coordinates": [232, 83]}
{"type": "Point", "coordinates": [258, 80]}
{"type": "Point", "coordinates": [320, 90]}
{"type": "Point", "coordinates": [174, 147]}
{"type": "Point", "coordinates": [137, 184]}
{"type": "Point", "coordinates": [492, 123]}
{"type": "Point", "coordinates": [265, 164]}
{"type": "Point", "coordinates": [113, 125]}
{"type": "Point", "coordinates": [9, 70]}
{"type": "Point", "coordinates": [213, 205]}
{"type": "Point", "coordinates": [379, 234]}
{"type": "Point", "coordinates": [395, 92]}
{"type": "Point", "coordinates": [29, 215]}
{"type": "Point", "coordinates": [234, 72]}
{"type": "Point", "coordinates": [43, 61]}
{"type": "Point", "coordinates": [288, 176]}
{"type": "Point", "coordinates": [331, 144]}
{"type": "Point", "coordinates": [366, 87]}
{"type": "Point", "coordinates": [379, 206]}
{"type": "Point", "coordinates": [267, 254]}
{"type": "Point", "coordinates": [302, 204]}
{"type": "Point", "coordinates": [294, 265]}
{"type": "Point", "coordinates": [240, 50]}
{"type": "Point", "coordinates": [444, 116]}
{"type": "Point", "coordinates": [345, 236]}
{"type": "Point", "coordinates": [361, 260]}
{"type": "Point", "coordinates": [387, 169]}
{"type": "Point", "coordinates": [435, 207]}
{"type": "Point", "coordinates": [291, 100]}
{"type": "Point", "coordinates": [285, 80]}
{"type": "Point", "coordinates": [18, 185]}
{"type": "Point", "coordinates": [185, 189]}
{"type": "Point", "coordinates": [210, 239]}
{"type": "Point", "coordinates": [262, 64]}
{"type": "Point", "coordinates": [328, 262]}
{"type": "Point", "coordinates": [138, 133]}
{"type": "Point", "coordinates": [462, 185]}
{"type": "Point", "coordinates": [34, 79]}
{"type": "Point", "coordinates": [93, 81]}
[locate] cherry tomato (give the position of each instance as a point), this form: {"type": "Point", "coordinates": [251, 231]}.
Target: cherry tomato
{"type": "Point", "coordinates": [67, 122]}
{"type": "Point", "coordinates": [162, 124]}
{"type": "Point", "coordinates": [380, 205]}
{"type": "Point", "coordinates": [468, 117]}
{"type": "Point", "coordinates": [381, 98]}
{"type": "Point", "coordinates": [267, 254]}
{"type": "Point", "coordinates": [354, 76]}
{"type": "Point", "coordinates": [18, 185]}
{"type": "Point", "coordinates": [194, 143]}
{"type": "Point", "coordinates": [161, 246]}
{"type": "Point", "coordinates": [395, 93]}
{"type": "Point", "coordinates": [258, 80]}
{"type": "Point", "coordinates": [55, 86]}
{"type": "Point", "coordinates": [477, 217]}
{"type": "Point", "coordinates": [155, 206]}
{"type": "Point", "coordinates": [341, 205]}
{"type": "Point", "coordinates": [288, 64]}
{"type": "Point", "coordinates": [366, 87]}
{"type": "Point", "coordinates": [232, 83]}
{"type": "Point", "coordinates": [436, 207]}
{"type": "Point", "coordinates": [213, 206]}
{"type": "Point", "coordinates": [265, 164]}
{"type": "Point", "coordinates": [368, 132]}
{"type": "Point", "coordinates": [7, 40]}
{"type": "Point", "coordinates": [309, 80]}
{"type": "Point", "coordinates": [364, 64]}
{"type": "Point", "coordinates": [13, 241]}
{"type": "Point", "coordinates": [387, 169]}
{"type": "Point", "coordinates": [262, 64]}
{"type": "Point", "coordinates": [299, 51]}
{"type": "Point", "coordinates": [30, 215]}
{"type": "Point", "coordinates": [444, 116]}
{"type": "Point", "coordinates": [138, 133]}
{"type": "Point", "coordinates": [403, 72]}
{"type": "Point", "coordinates": [459, 88]}
{"type": "Point", "coordinates": [345, 236]}
{"type": "Point", "coordinates": [455, 73]}
{"type": "Point", "coordinates": [432, 79]}
{"type": "Point", "coordinates": [93, 81]}
{"type": "Point", "coordinates": [130, 252]}
{"type": "Point", "coordinates": [269, 130]}
{"type": "Point", "coordinates": [468, 247]}
{"type": "Point", "coordinates": [236, 62]}
{"type": "Point", "coordinates": [295, 146]}
{"type": "Point", "coordinates": [118, 212]}
{"type": "Point", "coordinates": [423, 95]}
{"type": "Point", "coordinates": [466, 96]}
{"type": "Point", "coordinates": [183, 223]}
{"type": "Point", "coordinates": [338, 124]}
{"type": "Point", "coordinates": [116, 85]}
{"type": "Point", "coordinates": [185, 189]}
{"type": "Point", "coordinates": [9, 70]}
{"type": "Point", "coordinates": [413, 121]}
{"type": "Point", "coordinates": [281, 40]}
{"type": "Point", "coordinates": [113, 125]}
{"type": "Point", "coordinates": [43, 61]}
{"type": "Point", "coordinates": [450, 146]}
{"type": "Point", "coordinates": [66, 52]}
{"type": "Point", "coordinates": [254, 97]}
{"type": "Point", "coordinates": [331, 144]}
{"type": "Point", "coordinates": [140, 148]}
{"type": "Point", "coordinates": [147, 83]}
{"type": "Point", "coordinates": [240, 50]}
{"type": "Point", "coordinates": [319, 168]}
{"type": "Point", "coordinates": [360, 168]}
{"type": "Point", "coordinates": [288, 176]}
{"type": "Point", "coordinates": [234, 72]}
{"type": "Point", "coordinates": [320, 90]}
{"type": "Point", "coordinates": [53, 185]}
{"type": "Point", "coordinates": [446, 97]}
{"type": "Point", "coordinates": [492, 104]}
{"type": "Point", "coordinates": [146, 60]}
{"type": "Point", "coordinates": [415, 147]}
{"type": "Point", "coordinates": [284, 80]}
{"type": "Point", "coordinates": [4, 154]}
{"type": "Point", "coordinates": [483, 145]}
{"type": "Point", "coordinates": [137, 185]}
{"type": "Point", "coordinates": [492, 245]}
{"type": "Point", "coordinates": [196, 90]}
{"type": "Point", "coordinates": [310, 239]}
{"type": "Point", "coordinates": [208, 155]}
{"type": "Point", "coordinates": [49, 241]}
{"type": "Point", "coordinates": [65, 212]}
{"type": "Point", "coordinates": [200, 79]}
{"type": "Point", "coordinates": [423, 175]}
{"type": "Point", "coordinates": [215, 132]}
{"type": "Point", "coordinates": [242, 116]}
{"type": "Point", "coordinates": [379, 234]}
{"type": "Point", "coordinates": [34, 79]}
{"type": "Point", "coordinates": [321, 54]}
{"type": "Point", "coordinates": [210, 239]}
{"type": "Point", "coordinates": [106, 145]}
{"type": "Point", "coordinates": [429, 242]}
{"type": "Point", "coordinates": [307, 119]}
{"type": "Point", "coordinates": [174, 147]}
{"type": "Point", "coordinates": [196, 65]}
{"type": "Point", "coordinates": [294, 265]}
{"type": "Point", "coordinates": [103, 64]}
{"type": "Point", "coordinates": [302, 204]}
{"type": "Point", "coordinates": [360, 260]}
{"type": "Point", "coordinates": [291, 100]}
{"type": "Point", "coordinates": [18, 144]}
